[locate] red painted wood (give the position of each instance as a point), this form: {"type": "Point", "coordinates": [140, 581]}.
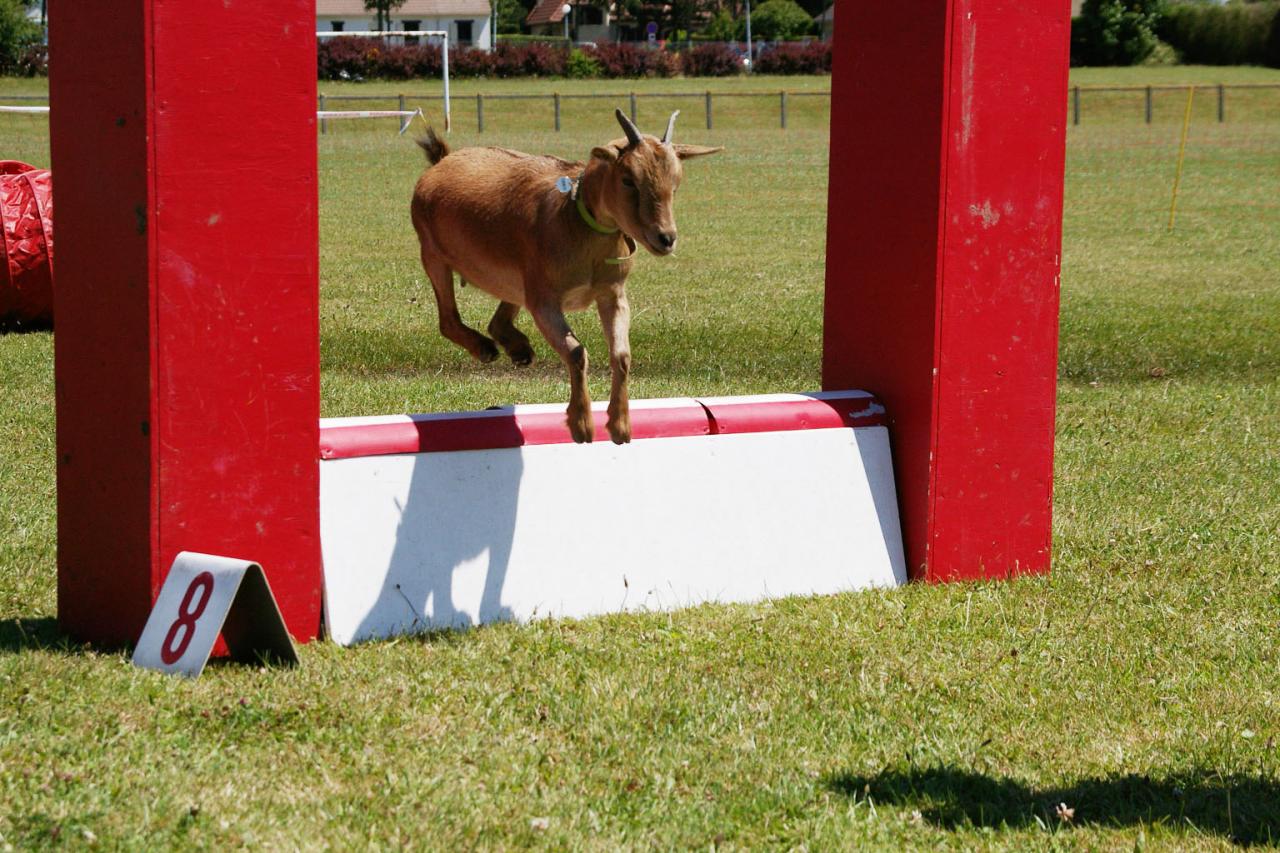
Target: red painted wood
{"type": "Point", "coordinates": [102, 351]}
{"type": "Point", "coordinates": [942, 267]}
{"type": "Point", "coordinates": [187, 343]}
{"type": "Point", "coordinates": [494, 429]}
{"type": "Point", "coordinates": [854, 409]}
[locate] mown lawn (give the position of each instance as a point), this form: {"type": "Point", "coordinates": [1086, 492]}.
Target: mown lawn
{"type": "Point", "coordinates": [1137, 684]}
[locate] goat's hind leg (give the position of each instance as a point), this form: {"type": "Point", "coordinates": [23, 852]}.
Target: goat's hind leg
{"type": "Point", "coordinates": [504, 331]}
{"type": "Point", "coordinates": [451, 325]}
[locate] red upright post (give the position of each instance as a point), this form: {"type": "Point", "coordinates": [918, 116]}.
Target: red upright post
{"type": "Point", "coordinates": [943, 236]}
{"type": "Point", "coordinates": [183, 140]}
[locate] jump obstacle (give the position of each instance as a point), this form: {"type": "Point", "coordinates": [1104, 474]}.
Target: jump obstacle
{"type": "Point", "coordinates": [187, 352]}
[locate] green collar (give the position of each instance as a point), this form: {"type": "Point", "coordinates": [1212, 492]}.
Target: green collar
{"type": "Point", "coordinates": [591, 220]}
{"type": "Point", "coordinates": [618, 261]}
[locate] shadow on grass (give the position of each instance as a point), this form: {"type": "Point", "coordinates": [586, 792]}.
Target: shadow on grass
{"type": "Point", "coordinates": [1244, 809]}
{"type": "Point", "coordinates": [17, 327]}
{"type": "Point", "coordinates": [38, 634]}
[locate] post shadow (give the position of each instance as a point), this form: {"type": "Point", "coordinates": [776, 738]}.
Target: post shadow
{"type": "Point", "coordinates": [38, 633]}
{"type": "Point", "coordinates": [1241, 808]}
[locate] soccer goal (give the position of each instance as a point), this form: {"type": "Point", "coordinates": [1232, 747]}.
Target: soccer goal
{"type": "Point", "coordinates": [442, 35]}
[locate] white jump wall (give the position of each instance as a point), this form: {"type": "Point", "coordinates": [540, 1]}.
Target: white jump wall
{"type": "Point", "coordinates": [726, 499]}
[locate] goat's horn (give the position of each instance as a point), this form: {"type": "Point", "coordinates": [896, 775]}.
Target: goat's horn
{"type": "Point", "coordinates": [628, 127]}
{"type": "Point", "coordinates": [669, 136]}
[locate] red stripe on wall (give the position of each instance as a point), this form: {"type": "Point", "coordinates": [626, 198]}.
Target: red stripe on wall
{"type": "Point", "coordinates": [489, 430]}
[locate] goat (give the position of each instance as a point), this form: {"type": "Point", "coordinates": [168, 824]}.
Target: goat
{"type": "Point", "coordinates": [549, 236]}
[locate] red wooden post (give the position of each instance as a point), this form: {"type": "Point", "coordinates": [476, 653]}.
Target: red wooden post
{"type": "Point", "coordinates": [187, 303]}
{"type": "Point", "coordinates": [947, 146]}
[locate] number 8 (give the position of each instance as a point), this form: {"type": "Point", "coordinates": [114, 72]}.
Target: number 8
{"type": "Point", "coordinates": [187, 616]}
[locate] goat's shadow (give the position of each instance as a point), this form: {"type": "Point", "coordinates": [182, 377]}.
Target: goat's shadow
{"type": "Point", "coordinates": [1244, 809]}
{"type": "Point", "coordinates": [453, 544]}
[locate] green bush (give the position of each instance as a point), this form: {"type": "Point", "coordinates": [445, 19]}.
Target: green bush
{"type": "Point", "coordinates": [518, 38]}
{"type": "Point", "coordinates": [780, 20]}
{"type": "Point", "coordinates": [17, 34]}
{"type": "Point", "coordinates": [1115, 32]}
{"type": "Point", "coordinates": [1272, 55]}
{"type": "Point", "coordinates": [1236, 34]}
{"type": "Point", "coordinates": [581, 65]}
{"type": "Point", "coordinates": [723, 27]}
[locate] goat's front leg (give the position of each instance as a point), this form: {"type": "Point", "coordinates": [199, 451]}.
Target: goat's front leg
{"type": "Point", "coordinates": [555, 328]}
{"type": "Point", "coordinates": [615, 316]}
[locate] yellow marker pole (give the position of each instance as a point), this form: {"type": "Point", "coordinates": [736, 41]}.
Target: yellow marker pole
{"type": "Point", "coordinates": [1182, 150]}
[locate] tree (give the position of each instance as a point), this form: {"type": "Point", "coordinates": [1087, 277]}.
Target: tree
{"type": "Point", "coordinates": [17, 32]}
{"type": "Point", "coordinates": [723, 27]}
{"type": "Point", "coordinates": [1116, 32]}
{"type": "Point", "coordinates": [511, 15]}
{"type": "Point", "coordinates": [383, 8]}
{"type": "Point", "coordinates": [780, 20]}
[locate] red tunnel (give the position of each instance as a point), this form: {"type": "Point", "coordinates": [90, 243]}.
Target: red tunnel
{"type": "Point", "coordinates": [26, 228]}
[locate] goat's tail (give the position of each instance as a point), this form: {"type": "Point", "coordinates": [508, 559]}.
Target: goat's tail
{"type": "Point", "coordinates": [437, 149]}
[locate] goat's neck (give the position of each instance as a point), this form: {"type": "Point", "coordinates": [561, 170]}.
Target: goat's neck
{"type": "Point", "coordinates": [591, 188]}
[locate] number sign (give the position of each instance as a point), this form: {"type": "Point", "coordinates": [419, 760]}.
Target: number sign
{"type": "Point", "coordinates": [202, 597]}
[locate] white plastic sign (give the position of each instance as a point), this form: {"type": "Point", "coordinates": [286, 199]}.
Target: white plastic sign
{"type": "Point", "coordinates": [204, 596]}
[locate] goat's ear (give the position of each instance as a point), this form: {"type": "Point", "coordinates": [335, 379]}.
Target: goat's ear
{"type": "Point", "coordinates": [684, 152]}
{"type": "Point", "coordinates": [607, 153]}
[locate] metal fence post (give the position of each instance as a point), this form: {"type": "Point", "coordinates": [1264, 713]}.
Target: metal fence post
{"type": "Point", "coordinates": [708, 109]}
{"type": "Point", "coordinates": [782, 108]}
{"type": "Point", "coordinates": [324, 125]}
{"type": "Point", "coordinates": [1148, 105]}
{"type": "Point", "coordinates": [1075, 105]}
{"type": "Point", "coordinates": [403, 120]}
{"type": "Point", "coordinates": [633, 107]}
{"type": "Point", "coordinates": [556, 96]}
{"type": "Point", "coordinates": [1222, 103]}
{"type": "Point", "coordinates": [479, 113]}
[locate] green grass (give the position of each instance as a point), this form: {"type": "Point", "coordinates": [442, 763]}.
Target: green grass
{"type": "Point", "coordinates": [1139, 683]}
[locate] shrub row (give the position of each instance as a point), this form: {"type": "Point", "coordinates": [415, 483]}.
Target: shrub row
{"type": "Point", "coordinates": [1245, 34]}
{"type": "Point", "coordinates": [351, 58]}
{"type": "Point", "coordinates": [812, 57]}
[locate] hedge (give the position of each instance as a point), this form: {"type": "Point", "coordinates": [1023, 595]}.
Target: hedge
{"type": "Point", "coordinates": [812, 57]}
{"type": "Point", "coordinates": [1245, 34]}
{"type": "Point", "coordinates": [358, 58]}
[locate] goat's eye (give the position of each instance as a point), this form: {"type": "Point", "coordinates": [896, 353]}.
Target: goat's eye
{"type": "Point", "coordinates": [627, 182]}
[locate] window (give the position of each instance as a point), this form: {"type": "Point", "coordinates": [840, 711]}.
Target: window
{"type": "Point", "coordinates": [337, 26]}
{"type": "Point", "coordinates": [464, 31]}
{"type": "Point", "coordinates": [410, 25]}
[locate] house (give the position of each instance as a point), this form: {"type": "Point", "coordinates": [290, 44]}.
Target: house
{"type": "Point", "coordinates": [827, 22]}
{"type": "Point", "coordinates": [587, 22]}
{"type": "Point", "coordinates": [468, 22]}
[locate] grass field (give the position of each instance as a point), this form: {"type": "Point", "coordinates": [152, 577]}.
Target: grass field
{"type": "Point", "coordinates": [1138, 684]}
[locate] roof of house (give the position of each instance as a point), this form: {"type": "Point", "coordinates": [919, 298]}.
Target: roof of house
{"type": "Point", "coordinates": [411, 9]}
{"type": "Point", "coordinates": [546, 12]}
{"type": "Point", "coordinates": [828, 14]}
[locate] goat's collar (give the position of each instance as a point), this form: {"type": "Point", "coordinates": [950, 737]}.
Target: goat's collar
{"type": "Point", "coordinates": [631, 252]}
{"type": "Point", "coordinates": [592, 222]}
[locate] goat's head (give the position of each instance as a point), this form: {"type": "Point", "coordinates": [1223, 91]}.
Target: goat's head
{"type": "Point", "coordinates": [641, 174]}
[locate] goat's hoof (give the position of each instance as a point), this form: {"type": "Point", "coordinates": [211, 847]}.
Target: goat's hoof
{"type": "Point", "coordinates": [581, 428]}
{"type": "Point", "coordinates": [521, 356]}
{"type": "Point", "coordinates": [619, 433]}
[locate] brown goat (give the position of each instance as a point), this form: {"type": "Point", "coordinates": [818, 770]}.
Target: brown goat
{"type": "Point", "coordinates": [550, 236]}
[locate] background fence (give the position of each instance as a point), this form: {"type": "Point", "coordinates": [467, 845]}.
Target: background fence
{"type": "Point", "coordinates": [1086, 104]}
{"type": "Point", "coordinates": [557, 103]}
{"type": "Point", "coordinates": [782, 108]}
